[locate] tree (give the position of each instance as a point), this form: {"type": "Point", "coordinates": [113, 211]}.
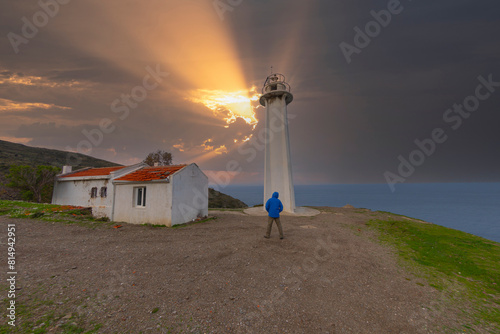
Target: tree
{"type": "Point", "coordinates": [162, 158]}
{"type": "Point", "coordinates": [34, 182]}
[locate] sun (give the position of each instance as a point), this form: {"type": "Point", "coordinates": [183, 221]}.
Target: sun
{"type": "Point", "coordinates": [228, 105]}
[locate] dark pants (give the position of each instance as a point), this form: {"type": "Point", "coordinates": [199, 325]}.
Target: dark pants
{"type": "Point", "coordinates": [270, 226]}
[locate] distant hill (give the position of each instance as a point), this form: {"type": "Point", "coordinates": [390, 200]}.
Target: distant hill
{"type": "Point", "coordinates": [18, 154]}
{"type": "Point", "coordinates": [216, 199]}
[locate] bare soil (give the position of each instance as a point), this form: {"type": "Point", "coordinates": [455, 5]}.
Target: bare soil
{"type": "Point", "coordinates": [329, 275]}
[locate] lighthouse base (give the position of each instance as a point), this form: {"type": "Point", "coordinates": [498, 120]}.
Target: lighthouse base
{"type": "Point", "coordinates": [299, 211]}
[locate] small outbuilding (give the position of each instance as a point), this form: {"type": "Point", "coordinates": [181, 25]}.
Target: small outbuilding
{"type": "Point", "coordinates": [137, 194]}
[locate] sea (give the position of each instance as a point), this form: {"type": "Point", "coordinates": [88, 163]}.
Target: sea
{"type": "Point", "coordinates": [470, 207]}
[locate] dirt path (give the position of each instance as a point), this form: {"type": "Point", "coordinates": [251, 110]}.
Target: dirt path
{"type": "Point", "coordinates": [221, 276]}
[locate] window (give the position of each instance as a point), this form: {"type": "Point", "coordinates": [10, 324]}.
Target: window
{"type": "Point", "coordinates": [140, 196]}
{"type": "Point", "coordinates": [93, 192]}
{"type": "Point", "coordinates": [274, 87]}
{"type": "Point", "coordinates": [104, 191]}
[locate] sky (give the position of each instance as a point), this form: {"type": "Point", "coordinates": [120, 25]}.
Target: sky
{"type": "Point", "coordinates": [384, 91]}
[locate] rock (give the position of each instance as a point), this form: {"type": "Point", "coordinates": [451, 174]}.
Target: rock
{"type": "Point", "coordinates": [348, 206]}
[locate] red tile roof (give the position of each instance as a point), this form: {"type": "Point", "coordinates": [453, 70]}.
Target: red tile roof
{"type": "Point", "coordinates": [94, 172]}
{"type": "Point", "coordinates": [151, 173]}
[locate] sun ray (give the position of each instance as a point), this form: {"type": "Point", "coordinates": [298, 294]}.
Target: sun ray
{"type": "Point", "coordinates": [203, 63]}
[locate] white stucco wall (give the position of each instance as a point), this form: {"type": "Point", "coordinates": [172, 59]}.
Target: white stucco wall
{"type": "Point", "coordinates": [77, 192]}
{"type": "Point", "coordinates": [158, 203]}
{"type": "Point", "coordinates": [190, 194]}
{"type": "Point", "coordinates": [277, 161]}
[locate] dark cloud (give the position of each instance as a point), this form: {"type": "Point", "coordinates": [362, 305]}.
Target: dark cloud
{"type": "Point", "coordinates": [351, 121]}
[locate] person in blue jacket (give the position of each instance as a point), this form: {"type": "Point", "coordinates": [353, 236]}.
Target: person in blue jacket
{"type": "Point", "coordinates": [274, 207]}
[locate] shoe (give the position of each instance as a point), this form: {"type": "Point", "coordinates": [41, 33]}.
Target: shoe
{"type": "Point", "coordinates": [281, 237]}
{"type": "Point", "coordinates": [266, 237]}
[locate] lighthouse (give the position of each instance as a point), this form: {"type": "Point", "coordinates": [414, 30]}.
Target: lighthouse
{"type": "Point", "coordinates": [275, 97]}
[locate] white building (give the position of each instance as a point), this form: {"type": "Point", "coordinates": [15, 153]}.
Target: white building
{"type": "Point", "coordinates": [137, 194]}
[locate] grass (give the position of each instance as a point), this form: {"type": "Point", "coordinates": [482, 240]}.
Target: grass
{"type": "Point", "coordinates": [54, 213]}
{"type": "Point", "coordinates": [448, 258]}
{"type": "Point", "coordinates": [153, 225]}
{"type": "Point", "coordinates": [43, 316]}
{"type": "Point", "coordinates": [398, 215]}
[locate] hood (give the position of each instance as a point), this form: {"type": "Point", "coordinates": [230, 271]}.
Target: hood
{"type": "Point", "coordinates": [276, 194]}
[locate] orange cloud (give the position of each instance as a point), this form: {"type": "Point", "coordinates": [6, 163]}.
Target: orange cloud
{"type": "Point", "coordinates": [9, 105]}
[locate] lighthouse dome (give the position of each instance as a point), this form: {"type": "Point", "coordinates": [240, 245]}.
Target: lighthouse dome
{"type": "Point", "coordinates": [275, 85]}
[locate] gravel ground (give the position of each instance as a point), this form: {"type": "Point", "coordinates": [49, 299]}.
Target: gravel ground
{"type": "Point", "coordinates": [222, 276]}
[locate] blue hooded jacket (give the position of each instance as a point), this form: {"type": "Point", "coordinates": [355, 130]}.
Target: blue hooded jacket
{"type": "Point", "coordinates": [274, 206]}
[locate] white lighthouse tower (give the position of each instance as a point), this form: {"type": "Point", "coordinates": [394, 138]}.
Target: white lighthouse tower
{"type": "Point", "coordinates": [275, 97]}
